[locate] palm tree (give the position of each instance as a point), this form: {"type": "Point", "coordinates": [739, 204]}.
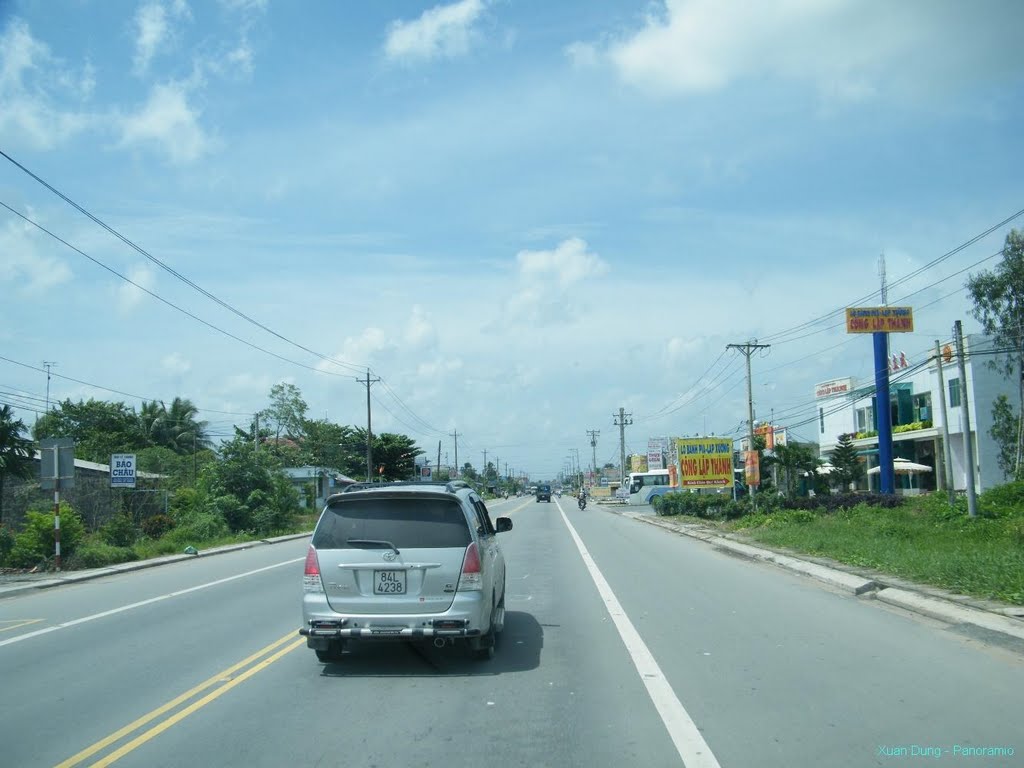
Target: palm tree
{"type": "Point", "coordinates": [16, 452]}
{"type": "Point", "coordinates": [177, 427]}
{"type": "Point", "coordinates": [186, 432]}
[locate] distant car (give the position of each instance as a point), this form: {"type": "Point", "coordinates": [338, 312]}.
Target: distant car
{"type": "Point", "coordinates": [405, 561]}
{"type": "Point", "coordinates": [544, 493]}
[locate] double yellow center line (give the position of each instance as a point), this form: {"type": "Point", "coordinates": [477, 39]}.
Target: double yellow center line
{"type": "Point", "coordinates": [220, 684]}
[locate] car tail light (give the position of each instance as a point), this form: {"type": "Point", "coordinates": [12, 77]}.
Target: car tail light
{"type": "Point", "coordinates": [471, 578]}
{"type": "Point", "coordinates": [311, 580]}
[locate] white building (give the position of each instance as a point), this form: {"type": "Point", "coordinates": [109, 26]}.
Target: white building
{"type": "Point", "coordinates": [846, 406]}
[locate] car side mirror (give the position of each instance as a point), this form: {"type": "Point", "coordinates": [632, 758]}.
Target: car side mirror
{"type": "Point", "coordinates": [503, 524]}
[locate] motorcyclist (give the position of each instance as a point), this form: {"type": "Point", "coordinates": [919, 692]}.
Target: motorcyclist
{"type": "Point", "coordinates": [582, 498]}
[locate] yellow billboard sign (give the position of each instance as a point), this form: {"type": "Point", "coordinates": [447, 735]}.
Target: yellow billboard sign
{"type": "Point", "coordinates": [879, 320]}
{"type": "Point", "coordinates": [705, 462]}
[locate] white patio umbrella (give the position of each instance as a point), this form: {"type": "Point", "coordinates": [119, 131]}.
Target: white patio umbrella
{"type": "Point", "coordinates": [904, 467]}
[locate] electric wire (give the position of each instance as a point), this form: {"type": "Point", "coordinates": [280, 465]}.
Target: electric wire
{"type": "Point", "coordinates": [170, 270]}
{"type": "Point", "coordinates": [114, 391]}
{"type": "Point", "coordinates": [161, 299]}
{"type": "Point", "coordinates": [772, 338]}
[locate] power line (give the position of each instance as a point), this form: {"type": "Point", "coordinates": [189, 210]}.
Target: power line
{"type": "Point", "coordinates": [777, 337]}
{"type": "Point", "coordinates": [160, 298]}
{"type": "Point", "coordinates": [206, 323]}
{"type": "Point", "coordinates": [170, 270]}
{"type": "Point", "coordinates": [114, 391]}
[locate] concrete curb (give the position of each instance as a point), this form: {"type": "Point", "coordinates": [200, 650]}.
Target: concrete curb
{"type": "Point", "coordinates": [74, 577]}
{"type": "Point", "coordinates": [905, 598]}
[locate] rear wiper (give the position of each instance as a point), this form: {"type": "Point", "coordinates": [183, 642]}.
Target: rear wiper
{"type": "Point", "coordinates": [372, 543]}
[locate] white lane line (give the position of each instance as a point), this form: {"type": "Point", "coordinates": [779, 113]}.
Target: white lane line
{"type": "Point", "coordinates": [692, 749]}
{"type": "Point", "coordinates": [150, 601]}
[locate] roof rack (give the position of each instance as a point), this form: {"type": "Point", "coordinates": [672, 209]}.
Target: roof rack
{"type": "Point", "coordinates": [449, 485]}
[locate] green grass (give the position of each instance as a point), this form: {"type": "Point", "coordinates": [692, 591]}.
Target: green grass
{"type": "Point", "coordinates": [921, 542]}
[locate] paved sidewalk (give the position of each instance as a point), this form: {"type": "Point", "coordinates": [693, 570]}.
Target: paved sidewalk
{"type": "Point", "coordinates": [12, 584]}
{"type": "Point", "coordinates": [935, 603]}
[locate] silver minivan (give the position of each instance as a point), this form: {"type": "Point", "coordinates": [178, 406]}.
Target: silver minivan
{"type": "Point", "coordinates": [405, 561]}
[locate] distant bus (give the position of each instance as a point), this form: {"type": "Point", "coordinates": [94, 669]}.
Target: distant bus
{"type": "Point", "coordinates": [643, 486]}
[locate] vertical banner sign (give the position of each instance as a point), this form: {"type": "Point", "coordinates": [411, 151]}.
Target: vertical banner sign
{"type": "Point", "coordinates": [705, 462]}
{"type": "Point", "coordinates": [122, 470]}
{"type": "Point", "coordinates": [751, 468]}
{"type": "Point", "coordinates": [425, 473]}
{"type": "Point", "coordinates": [655, 454]}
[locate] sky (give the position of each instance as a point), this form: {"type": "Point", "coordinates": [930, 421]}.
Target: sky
{"type": "Point", "coordinates": [519, 216]}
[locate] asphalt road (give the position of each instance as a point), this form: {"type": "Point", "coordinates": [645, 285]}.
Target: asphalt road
{"type": "Point", "coordinates": [630, 646]}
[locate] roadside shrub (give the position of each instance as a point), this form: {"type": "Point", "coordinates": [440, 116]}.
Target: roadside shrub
{"type": "Point", "coordinates": [832, 503]}
{"type": "Point", "coordinates": [156, 526]}
{"type": "Point", "coordinates": [6, 544]}
{"type": "Point", "coordinates": [704, 506]}
{"type": "Point", "coordinates": [35, 543]}
{"type": "Point", "coordinates": [1003, 500]}
{"type": "Point", "coordinates": [936, 506]}
{"type": "Point", "coordinates": [97, 553]}
{"type": "Point", "coordinates": [200, 527]}
{"type": "Point", "coordinates": [119, 531]}
{"type": "Point", "coordinates": [235, 514]}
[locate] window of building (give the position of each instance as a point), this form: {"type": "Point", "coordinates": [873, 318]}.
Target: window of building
{"type": "Point", "coordinates": [821, 420]}
{"type": "Point", "coordinates": [923, 407]}
{"type": "Point", "coordinates": [954, 393]}
{"type": "Point", "coordinates": [866, 419]}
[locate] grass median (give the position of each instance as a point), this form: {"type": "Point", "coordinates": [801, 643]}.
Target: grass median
{"type": "Point", "coordinates": [923, 540]}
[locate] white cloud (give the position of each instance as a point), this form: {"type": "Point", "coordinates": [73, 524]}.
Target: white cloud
{"type": "Point", "coordinates": [370, 343]}
{"type": "Point", "coordinates": [570, 262]}
{"type": "Point", "coordinates": [153, 31]}
{"type": "Point", "coordinates": [420, 332]}
{"type": "Point", "coordinates": [546, 279]}
{"type": "Point", "coordinates": [22, 264]}
{"type": "Point", "coordinates": [129, 296]}
{"type": "Point", "coordinates": [175, 363]}
{"type": "Point", "coordinates": [31, 78]}
{"type": "Point", "coordinates": [444, 31]}
{"type": "Point", "coordinates": [169, 122]}
{"type": "Point", "coordinates": [848, 50]}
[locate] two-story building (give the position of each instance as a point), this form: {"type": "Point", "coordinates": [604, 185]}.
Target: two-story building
{"type": "Point", "coordinates": [848, 407]}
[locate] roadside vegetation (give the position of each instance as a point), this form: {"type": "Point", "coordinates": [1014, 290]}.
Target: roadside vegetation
{"type": "Point", "coordinates": [920, 538]}
{"type": "Point", "coordinates": [200, 495]}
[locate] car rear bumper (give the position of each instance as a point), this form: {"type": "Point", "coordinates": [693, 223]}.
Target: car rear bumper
{"type": "Point", "coordinates": [466, 617]}
{"type": "Point", "coordinates": [385, 633]}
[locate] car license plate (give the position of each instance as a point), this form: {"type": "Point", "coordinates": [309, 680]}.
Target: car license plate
{"type": "Point", "coordinates": [389, 582]}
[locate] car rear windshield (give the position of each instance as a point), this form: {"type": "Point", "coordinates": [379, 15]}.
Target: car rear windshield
{"type": "Point", "coordinates": [413, 523]}
{"type": "Point", "coordinates": [543, 487]}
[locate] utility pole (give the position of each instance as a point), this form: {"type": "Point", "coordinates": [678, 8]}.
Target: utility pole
{"type": "Point", "coordinates": [594, 434]}
{"type": "Point", "coordinates": [747, 350]}
{"type": "Point", "coordinates": [483, 469]}
{"type": "Point", "coordinates": [965, 420]}
{"type": "Point", "coordinates": [48, 364]}
{"type": "Point", "coordinates": [439, 457]}
{"type": "Point", "coordinates": [369, 429]}
{"type": "Point", "coordinates": [256, 433]}
{"type": "Point", "coordinates": [947, 449]}
{"type": "Point", "coordinates": [455, 434]}
{"type": "Point", "coordinates": [622, 420]}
